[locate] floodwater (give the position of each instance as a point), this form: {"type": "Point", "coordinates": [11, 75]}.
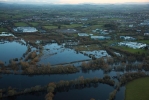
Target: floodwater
{"type": "Point", "coordinates": [57, 54]}
{"type": "Point", "coordinates": [97, 53]}
{"type": "Point", "coordinates": [101, 92]}
{"type": "Point", "coordinates": [11, 50]}
{"type": "Point", "coordinates": [54, 54]}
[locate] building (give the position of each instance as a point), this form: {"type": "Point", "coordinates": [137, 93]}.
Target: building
{"type": "Point", "coordinates": [6, 34]}
{"type": "Point", "coordinates": [146, 34]}
{"type": "Point", "coordinates": [127, 38]}
{"type": "Point", "coordinates": [133, 45]}
{"type": "Point", "coordinates": [104, 32]}
{"type": "Point", "coordinates": [83, 34]}
{"type": "Point", "coordinates": [100, 37]}
{"type": "Point", "coordinates": [97, 30]}
{"type": "Point", "coordinates": [25, 29]}
{"type": "Point", "coordinates": [131, 25]}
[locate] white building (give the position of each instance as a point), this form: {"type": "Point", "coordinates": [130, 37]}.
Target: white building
{"type": "Point", "coordinates": [131, 25]}
{"type": "Point", "coordinates": [83, 34]}
{"type": "Point", "coordinates": [100, 37]}
{"type": "Point", "coordinates": [6, 34]}
{"type": "Point", "coordinates": [133, 45]}
{"type": "Point", "coordinates": [25, 29]}
{"type": "Point", "coordinates": [127, 38]}
{"type": "Point", "coordinates": [146, 34]}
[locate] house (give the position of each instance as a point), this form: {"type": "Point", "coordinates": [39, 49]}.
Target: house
{"type": "Point", "coordinates": [83, 34]}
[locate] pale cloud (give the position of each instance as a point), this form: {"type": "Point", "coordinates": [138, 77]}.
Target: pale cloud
{"type": "Point", "coordinates": [100, 1]}
{"type": "Point", "coordinates": [75, 1]}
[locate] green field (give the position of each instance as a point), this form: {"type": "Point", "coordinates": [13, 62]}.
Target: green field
{"type": "Point", "coordinates": [144, 41]}
{"type": "Point", "coordinates": [92, 27]}
{"type": "Point", "coordinates": [34, 23]}
{"type": "Point", "coordinates": [131, 50]}
{"type": "Point", "coordinates": [20, 24]}
{"type": "Point", "coordinates": [138, 89]}
{"type": "Point", "coordinates": [49, 27]}
{"type": "Point", "coordinates": [71, 26]}
{"type": "Point", "coordinates": [3, 29]}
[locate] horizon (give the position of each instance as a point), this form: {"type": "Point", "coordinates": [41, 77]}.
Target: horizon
{"type": "Point", "coordinates": [75, 2]}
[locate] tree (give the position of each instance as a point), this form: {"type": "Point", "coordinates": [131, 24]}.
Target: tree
{"type": "Point", "coordinates": [11, 92]}
{"type": "Point", "coordinates": [49, 96]}
{"type": "Point", "coordinates": [59, 26]}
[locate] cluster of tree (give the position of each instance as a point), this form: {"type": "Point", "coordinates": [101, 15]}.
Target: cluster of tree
{"type": "Point", "coordinates": [127, 77]}
{"type": "Point", "coordinates": [31, 55]}
{"type": "Point", "coordinates": [14, 92]}
{"type": "Point", "coordinates": [59, 86]}
{"type": "Point", "coordinates": [99, 63]}
{"type": "Point", "coordinates": [50, 89]}
{"type": "Point", "coordinates": [77, 83]}
{"type": "Point", "coordinates": [47, 69]}
{"type": "Point", "coordinates": [111, 26]}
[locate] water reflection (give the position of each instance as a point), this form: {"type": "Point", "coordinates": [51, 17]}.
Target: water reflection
{"type": "Point", "coordinates": [56, 54]}
{"type": "Point", "coordinates": [11, 50]}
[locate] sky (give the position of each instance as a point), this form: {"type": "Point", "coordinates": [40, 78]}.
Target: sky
{"type": "Point", "coordinates": [72, 1]}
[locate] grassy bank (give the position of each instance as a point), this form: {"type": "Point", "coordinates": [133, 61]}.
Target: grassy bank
{"type": "Point", "coordinates": [138, 89]}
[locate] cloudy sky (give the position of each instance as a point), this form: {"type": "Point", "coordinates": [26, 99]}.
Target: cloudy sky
{"type": "Point", "coordinates": [73, 1]}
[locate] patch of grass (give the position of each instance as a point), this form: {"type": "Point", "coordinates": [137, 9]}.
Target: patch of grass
{"type": "Point", "coordinates": [71, 26]}
{"type": "Point", "coordinates": [137, 89]}
{"type": "Point", "coordinates": [110, 42]}
{"type": "Point", "coordinates": [131, 50]}
{"type": "Point", "coordinates": [3, 29]}
{"type": "Point", "coordinates": [50, 27]}
{"type": "Point", "coordinates": [20, 24]}
{"type": "Point", "coordinates": [144, 41]}
{"type": "Point", "coordinates": [34, 24]}
{"type": "Point", "coordinates": [92, 27]}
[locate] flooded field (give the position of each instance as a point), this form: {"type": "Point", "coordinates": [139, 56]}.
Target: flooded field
{"type": "Point", "coordinates": [11, 49]}
{"type": "Point", "coordinates": [97, 54]}
{"type": "Point", "coordinates": [57, 54]}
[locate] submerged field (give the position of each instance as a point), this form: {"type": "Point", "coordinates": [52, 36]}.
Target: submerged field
{"type": "Point", "coordinates": [137, 89]}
